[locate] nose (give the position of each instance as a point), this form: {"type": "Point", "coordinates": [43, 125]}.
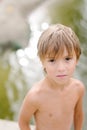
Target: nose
{"type": "Point", "coordinates": [60, 66]}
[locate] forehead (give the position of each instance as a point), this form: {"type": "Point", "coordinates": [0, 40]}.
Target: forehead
{"type": "Point", "coordinates": [62, 51]}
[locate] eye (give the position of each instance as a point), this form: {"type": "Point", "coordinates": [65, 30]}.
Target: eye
{"type": "Point", "coordinates": [52, 60]}
{"type": "Point", "coordinates": [68, 58]}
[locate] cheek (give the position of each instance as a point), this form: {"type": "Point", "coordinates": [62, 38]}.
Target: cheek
{"type": "Point", "coordinates": [72, 67]}
{"type": "Point", "coordinates": [50, 70]}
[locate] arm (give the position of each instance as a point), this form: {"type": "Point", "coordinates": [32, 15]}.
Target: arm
{"type": "Point", "coordinates": [78, 113]}
{"type": "Point", "coordinates": [27, 110]}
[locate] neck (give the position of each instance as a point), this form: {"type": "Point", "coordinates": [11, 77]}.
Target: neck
{"type": "Point", "coordinates": [52, 84]}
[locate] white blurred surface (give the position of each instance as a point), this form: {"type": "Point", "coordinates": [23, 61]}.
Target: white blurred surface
{"type": "Point", "coordinates": [9, 125]}
{"type": "Point", "coordinates": [14, 26]}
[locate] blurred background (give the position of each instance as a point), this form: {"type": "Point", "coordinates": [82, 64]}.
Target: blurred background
{"type": "Point", "coordinates": [21, 24]}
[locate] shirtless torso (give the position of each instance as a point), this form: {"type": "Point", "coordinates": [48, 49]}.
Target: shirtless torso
{"type": "Point", "coordinates": [53, 109]}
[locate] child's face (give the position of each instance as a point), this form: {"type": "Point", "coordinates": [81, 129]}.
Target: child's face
{"type": "Point", "coordinates": [60, 70]}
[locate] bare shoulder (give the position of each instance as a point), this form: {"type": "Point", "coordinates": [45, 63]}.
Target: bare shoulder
{"type": "Point", "coordinates": [80, 86]}
{"type": "Point", "coordinates": [36, 88]}
{"type": "Point", "coordinates": [34, 93]}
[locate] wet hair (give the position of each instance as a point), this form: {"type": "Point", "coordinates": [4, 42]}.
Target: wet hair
{"type": "Point", "coordinates": [55, 39]}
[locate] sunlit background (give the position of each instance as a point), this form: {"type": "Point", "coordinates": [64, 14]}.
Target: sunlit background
{"type": "Point", "coordinates": [21, 24]}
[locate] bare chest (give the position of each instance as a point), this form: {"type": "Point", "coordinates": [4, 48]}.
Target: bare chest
{"type": "Point", "coordinates": [57, 107]}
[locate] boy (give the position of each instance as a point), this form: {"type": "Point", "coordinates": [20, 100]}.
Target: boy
{"type": "Point", "coordinates": [55, 101]}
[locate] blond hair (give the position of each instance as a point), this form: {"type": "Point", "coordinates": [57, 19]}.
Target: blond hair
{"type": "Point", "coordinates": [55, 39]}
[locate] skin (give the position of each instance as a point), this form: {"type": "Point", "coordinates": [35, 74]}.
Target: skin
{"type": "Point", "coordinates": [56, 101]}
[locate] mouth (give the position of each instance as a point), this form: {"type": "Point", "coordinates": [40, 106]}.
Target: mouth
{"type": "Point", "coordinates": [61, 76]}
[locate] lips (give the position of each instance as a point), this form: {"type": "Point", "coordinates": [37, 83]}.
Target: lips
{"type": "Point", "coordinates": [61, 76]}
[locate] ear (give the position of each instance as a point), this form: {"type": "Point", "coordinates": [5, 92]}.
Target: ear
{"type": "Point", "coordinates": [45, 70]}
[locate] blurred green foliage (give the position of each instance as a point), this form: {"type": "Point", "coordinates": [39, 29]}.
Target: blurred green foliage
{"type": "Point", "coordinates": [5, 109]}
